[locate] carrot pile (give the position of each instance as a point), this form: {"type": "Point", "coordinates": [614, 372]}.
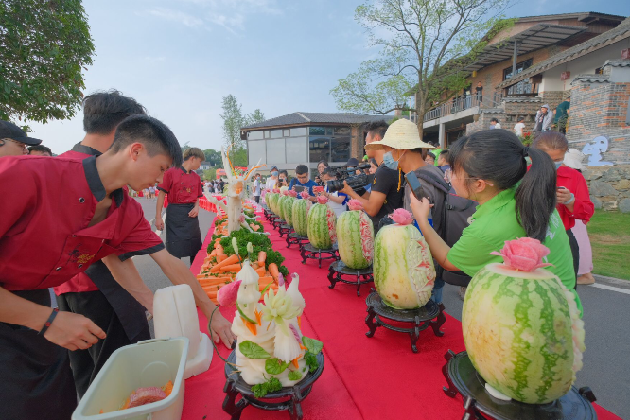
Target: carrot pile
{"type": "Point", "coordinates": [219, 269]}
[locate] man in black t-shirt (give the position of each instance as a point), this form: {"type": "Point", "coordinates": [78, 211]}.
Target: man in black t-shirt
{"type": "Point", "coordinates": [388, 186]}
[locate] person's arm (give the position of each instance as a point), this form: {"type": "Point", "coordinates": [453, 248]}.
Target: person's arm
{"type": "Point", "coordinates": [178, 273]}
{"type": "Point", "coordinates": [69, 330]}
{"type": "Point", "coordinates": [126, 274]}
{"type": "Point", "coordinates": [439, 249]}
{"type": "Point", "coordinates": [334, 198]}
{"type": "Point", "coordinates": [195, 210]}
{"type": "Point", "coordinates": [159, 223]}
{"type": "Point", "coordinates": [372, 204]}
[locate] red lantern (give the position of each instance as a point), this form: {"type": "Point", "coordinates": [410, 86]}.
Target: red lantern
{"type": "Point", "coordinates": [625, 54]}
{"type": "Point", "coordinates": [565, 75]}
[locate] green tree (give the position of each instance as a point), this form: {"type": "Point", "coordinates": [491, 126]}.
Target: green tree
{"type": "Point", "coordinates": [425, 48]}
{"type": "Point", "coordinates": [233, 120]}
{"type": "Point", "coordinates": [239, 157]}
{"type": "Point", "coordinates": [213, 157]}
{"type": "Point", "coordinates": [43, 47]}
{"type": "Point", "coordinates": [210, 174]}
{"type": "Point", "coordinates": [255, 117]}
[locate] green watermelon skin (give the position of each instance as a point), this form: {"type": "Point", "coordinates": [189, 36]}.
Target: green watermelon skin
{"type": "Point", "coordinates": [299, 212]}
{"type": "Point", "coordinates": [287, 206]}
{"type": "Point", "coordinates": [273, 201]}
{"type": "Point", "coordinates": [523, 333]}
{"type": "Point", "coordinates": [320, 227]}
{"type": "Point", "coordinates": [403, 268]}
{"type": "Point", "coordinates": [280, 206]}
{"type": "Point", "coordinates": [355, 236]}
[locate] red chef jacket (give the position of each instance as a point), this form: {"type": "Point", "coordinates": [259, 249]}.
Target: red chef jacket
{"type": "Point", "coordinates": [583, 207]}
{"type": "Point", "coordinates": [182, 187]}
{"type": "Point", "coordinates": [47, 205]}
{"type": "Point", "coordinates": [82, 282]}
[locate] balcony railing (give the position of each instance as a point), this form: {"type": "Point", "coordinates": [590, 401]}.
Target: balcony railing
{"type": "Point", "coordinates": [463, 103]}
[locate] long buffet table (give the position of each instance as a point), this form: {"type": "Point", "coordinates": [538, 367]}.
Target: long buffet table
{"type": "Point", "coordinates": [364, 378]}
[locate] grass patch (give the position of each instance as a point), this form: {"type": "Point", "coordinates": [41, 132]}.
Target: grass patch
{"type": "Point", "coordinates": [610, 239]}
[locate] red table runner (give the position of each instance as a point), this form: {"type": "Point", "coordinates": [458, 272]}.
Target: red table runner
{"type": "Point", "coordinates": [364, 378]}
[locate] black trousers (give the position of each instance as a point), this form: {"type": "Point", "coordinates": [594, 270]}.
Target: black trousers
{"type": "Point", "coordinates": [35, 377]}
{"type": "Point", "coordinates": [575, 252]}
{"type": "Point", "coordinates": [257, 199]}
{"type": "Point", "coordinates": [87, 363]}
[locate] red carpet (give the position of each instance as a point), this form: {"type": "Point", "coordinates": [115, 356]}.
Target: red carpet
{"type": "Point", "coordinates": [364, 378]}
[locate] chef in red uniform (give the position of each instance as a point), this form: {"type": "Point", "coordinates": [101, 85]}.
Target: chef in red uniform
{"type": "Point", "coordinates": [94, 293]}
{"type": "Point", "coordinates": [58, 217]}
{"type": "Point", "coordinates": [183, 187]}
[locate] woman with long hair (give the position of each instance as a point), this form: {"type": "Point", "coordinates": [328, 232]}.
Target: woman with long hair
{"type": "Point", "coordinates": [490, 168]}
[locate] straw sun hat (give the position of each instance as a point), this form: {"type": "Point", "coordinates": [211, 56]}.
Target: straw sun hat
{"type": "Point", "coordinates": [403, 135]}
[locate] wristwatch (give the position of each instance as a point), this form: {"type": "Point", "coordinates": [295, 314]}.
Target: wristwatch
{"type": "Point", "coordinates": [570, 200]}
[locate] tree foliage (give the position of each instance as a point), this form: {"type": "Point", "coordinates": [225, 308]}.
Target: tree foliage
{"type": "Point", "coordinates": [233, 120]}
{"type": "Point", "coordinates": [425, 48]}
{"type": "Point", "coordinates": [213, 157]}
{"type": "Point", "coordinates": [43, 47]}
{"type": "Point", "coordinates": [255, 117]}
{"type": "Point", "coordinates": [210, 174]}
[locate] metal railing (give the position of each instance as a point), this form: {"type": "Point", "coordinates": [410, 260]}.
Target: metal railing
{"type": "Point", "coordinates": [462, 103]}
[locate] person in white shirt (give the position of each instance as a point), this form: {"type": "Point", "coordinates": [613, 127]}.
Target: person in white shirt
{"type": "Point", "coordinates": [518, 128]}
{"type": "Point", "coordinates": [257, 188]}
{"type": "Point", "coordinates": [273, 179]}
{"type": "Point", "coordinates": [336, 201]}
{"type": "Point", "coordinates": [494, 124]}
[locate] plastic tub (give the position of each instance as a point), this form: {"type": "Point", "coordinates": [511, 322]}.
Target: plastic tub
{"type": "Point", "coordinates": [145, 364]}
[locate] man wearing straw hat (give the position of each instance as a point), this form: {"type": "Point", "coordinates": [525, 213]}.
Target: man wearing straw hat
{"type": "Point", "coordinates": [404, 149]}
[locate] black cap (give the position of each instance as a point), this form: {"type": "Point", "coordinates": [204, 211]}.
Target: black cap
{"type": "Point", "coordinates": [11, 131]}
{"type": "Point", "coordinates": [353, 162]}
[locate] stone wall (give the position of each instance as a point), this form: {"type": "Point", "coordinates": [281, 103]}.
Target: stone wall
{"type": "Point", "coordinates": [609, 187]}
{"type": "Point", "coordinates": [482, 120]}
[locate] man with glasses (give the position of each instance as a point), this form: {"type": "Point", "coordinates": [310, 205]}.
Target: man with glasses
{"type": "Point", "coordinates": [14, 141]}
{"type": "Point", "coordinates": [301, 179]}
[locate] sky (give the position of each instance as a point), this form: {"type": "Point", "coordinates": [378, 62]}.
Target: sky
{"type": "Point", "coordinates": [180, 57]}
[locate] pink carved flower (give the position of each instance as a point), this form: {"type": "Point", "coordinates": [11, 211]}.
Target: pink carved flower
{"type": "Point", "coordinates": [285, 192]}
{"type": "Point", "coordinates": [293, 193]}
{"type": "Point", "coordinates": [304, 194]}
{"type": "Point", "coordinates": [276, 190]}
{"type": "Point", "coordinates": [322, 200]}
{"type": "Point", "coordinates": [296, 334]}
{"type": "Point", "coordinates": [355, 205]}
{"type": "Point", "coordinates": [401, 217]}
{"type": "Point", "coordinates": [524, 254]}
{"type": "Point", "coordinates": [280, 279]}
{"type": "Point", "coordinates": [241, 218]}
{"type": "Point", "coordinates": [318, 189]}
{"type": "Point", "coordinates": [227, 294]}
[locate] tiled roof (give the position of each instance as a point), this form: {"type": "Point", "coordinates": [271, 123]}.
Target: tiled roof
{"type": "Point", "coordinates": [311, 118]}
{"type": "Point", "coordinates": [609, 37]}
{"type": "Point", "coordinates": [591, 78]}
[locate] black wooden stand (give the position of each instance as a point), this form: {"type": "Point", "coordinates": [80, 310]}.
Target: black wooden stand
{"type": "Point", "coordinates": [338, 269]}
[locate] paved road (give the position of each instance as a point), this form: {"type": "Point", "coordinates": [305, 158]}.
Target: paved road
{"type": "Point", "coordinates": [606, 315]}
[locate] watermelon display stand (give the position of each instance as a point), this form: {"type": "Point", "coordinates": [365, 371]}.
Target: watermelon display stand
{"type": "Point", "coordinates": [308, 251]}
{"type": "Point", "coordinates": [338, 269]}
{"type": "Point", "coordinates": [420, 318]}
{"type": "Point", "coordinates": [276, 222]}
{"type": "Point", "coordinates": [285, 229]}
{"type": "Point", "coordinates": [287, 399]}
{"type": "Point", "coordinates": [462, 378]}
{"type": "Point", "coordinates": [295, 239]}
{"type": "Point", "coordinates": [267, 212]}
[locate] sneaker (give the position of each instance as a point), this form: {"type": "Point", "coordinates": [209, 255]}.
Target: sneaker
{"type": "Point", "coordinates": [462, 293]}
{"type": "Point", "coordinates": [585, 279]}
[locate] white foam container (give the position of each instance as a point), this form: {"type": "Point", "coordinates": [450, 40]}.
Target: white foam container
{"type": "Point", "coordinates": [144, 364]}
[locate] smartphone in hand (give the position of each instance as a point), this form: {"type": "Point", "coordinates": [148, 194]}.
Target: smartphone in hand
{"type": "Point", "coordinates": [416, 188]}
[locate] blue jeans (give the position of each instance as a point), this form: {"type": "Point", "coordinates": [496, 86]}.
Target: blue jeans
{"type": "Point", "coordinates": [438, 288]}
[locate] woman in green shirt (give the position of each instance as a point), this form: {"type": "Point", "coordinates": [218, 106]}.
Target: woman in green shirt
{"type": "Point", "coordinates": [490, 168]}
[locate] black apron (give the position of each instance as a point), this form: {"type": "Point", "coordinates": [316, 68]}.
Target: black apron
{"type": "Point", "coordinates": [35, 377]}
{"type": "Point", "coordinates": [183, 235]}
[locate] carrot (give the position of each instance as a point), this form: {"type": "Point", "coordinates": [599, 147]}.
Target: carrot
{"type": "Point", "coordinates": [261, 271]}
{"type": "Point", "coordinates": [265, 280]}
{"type": "Point", "coordinates": [262, 256]}
{"type": "Point", "coordinates": [295, 363]}
{"type": "Point", "coordinates": [273, 270]}
{"type": "Point", "coordinates": [210, 281]}
{"type": "Point", "coordinates": [212, 295]}
{"type": "Point", "coordinates": [221, 257]}
{"type": "Point", "coordinates": [232, 259]}
{"type": "Point", "coordinates": [168, 388]}
{"type": "Point", "coordinates": [252, 327]}
{"type": "Point", "coordinates": [126, 403]}
{"type": "Point", "coordinates": [233, 267]}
